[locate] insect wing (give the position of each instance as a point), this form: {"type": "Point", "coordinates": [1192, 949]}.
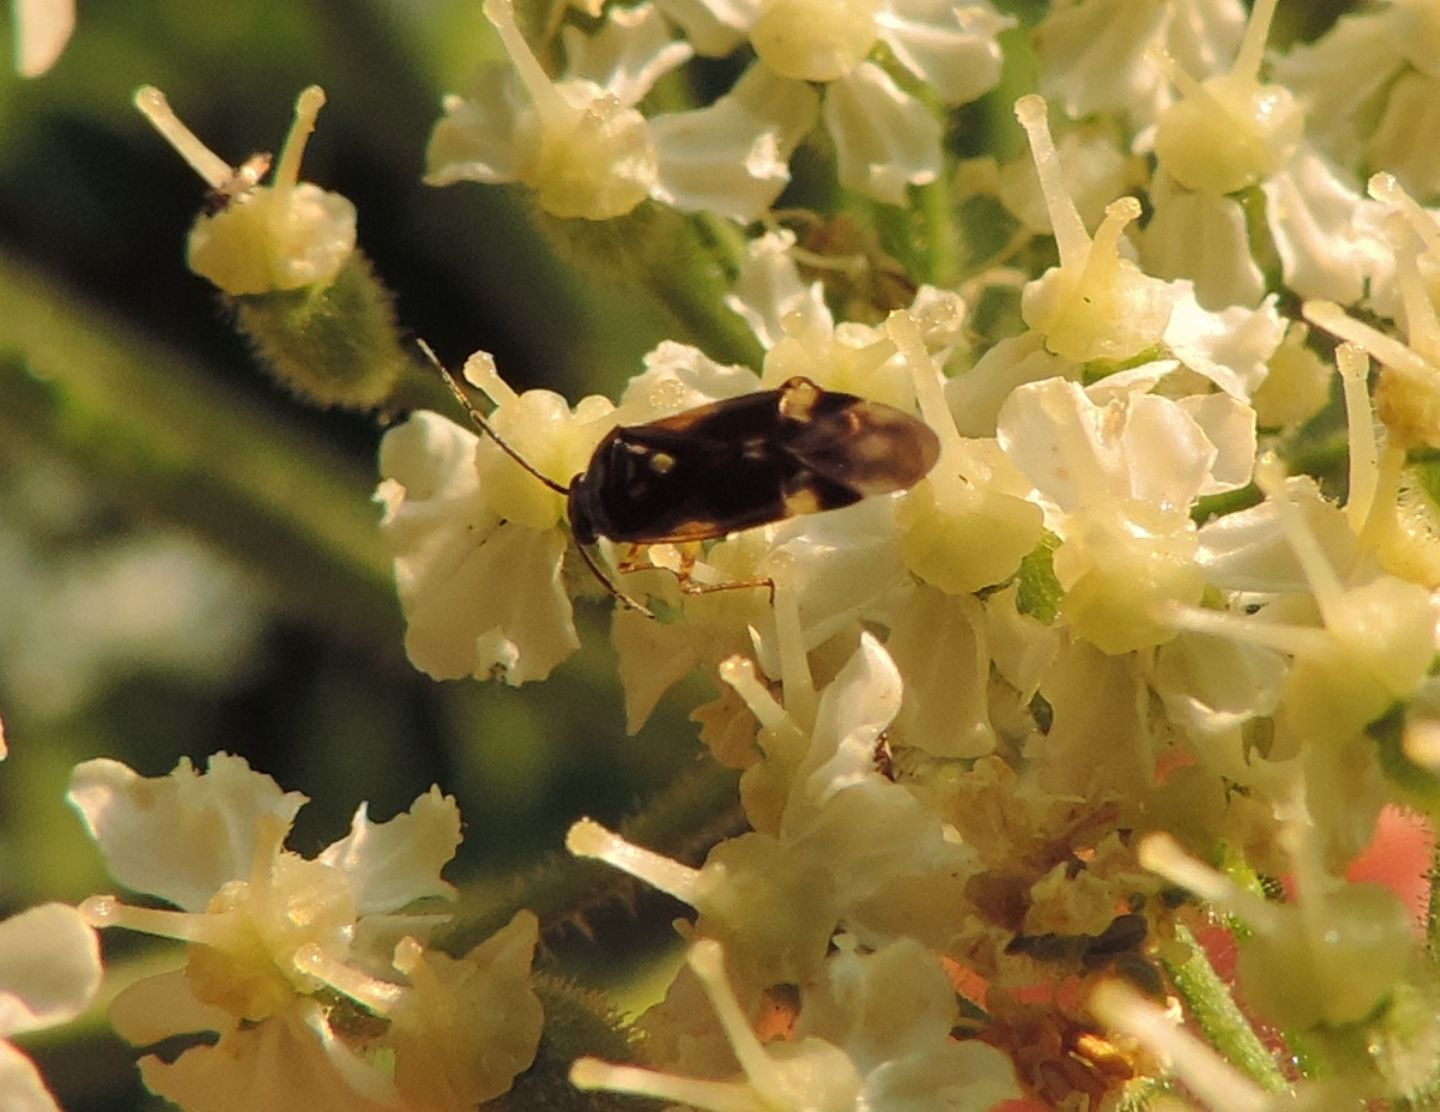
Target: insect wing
{"type": "Point", "coordinates": [867, 447]}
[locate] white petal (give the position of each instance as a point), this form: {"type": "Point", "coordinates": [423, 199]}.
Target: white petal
{"type": "Point", "coordinates": [976, 396]}
{"type": "Point", "coordinates": [938, 642]}
{"type": "Point", "coordinates": [1232, 348]}
{"type": "Point", "coordinates": [1202, 238]}
{"type": "Point", "coordinates": [768, 291]}
{"type": "Point", "coordinates": [1315, 220]}
{"type": "Point", "coordinates": [1083, 455]}
{"type": "Point", "coordinates": [957, 1076]}
{"type": "Point", "coordinates": [732, 158]}
{"type": "Point", "coordinates": [501, 613]}
{"type": "Point", "coordinates": [885, 139]}
{"type": "Point", "coordinates": [479, 595]}
{"type": "Point", "coordinates": [42, 28]}
{"type": "Point", "coordinates": [49, 968]}
{"type": "Point", "coordinates": [627, 55]}
{"type": "Point", "coordinates": [952, 49]}
{"type": "Point", "coordinates": [287, 1063]}
{"type": "Point", "coordinates": [1092, 54]}
{"type": "Point", "coordinates": [391, 864]}
{"type": "Point", "coordinates": [855, 709]}
{"type": "Point", "coordinates": [679, 377]}
{"type": "Point", "coordinates": [1229, 424]}
{"type": "Point", "coordinates": [21, 1087]}
{"type": "Point", "coordinates": [714, 27]}
{"type": "Point", "coordinates": [159, 1007]}
{"type": "Point", "coordinates": [476, 138]}
{"type": "Point", "coordinates": [182, 836]}
{"type": "Point", "coordinates": [880, 1006]}
{"type": "Point", "coordinates": [1407, 142]}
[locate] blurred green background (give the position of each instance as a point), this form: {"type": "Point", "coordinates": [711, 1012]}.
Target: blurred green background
{"type": "Point", "coordinates": [188, 556]}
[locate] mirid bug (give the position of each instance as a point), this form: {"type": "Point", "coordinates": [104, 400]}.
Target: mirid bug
{"type": "Point", "coordinates": [734, 464]}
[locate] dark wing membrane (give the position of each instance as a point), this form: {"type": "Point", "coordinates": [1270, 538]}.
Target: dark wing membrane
{"type": "Point", "coordinates": [866, 446]}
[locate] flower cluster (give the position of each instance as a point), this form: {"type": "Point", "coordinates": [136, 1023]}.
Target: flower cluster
{"type": "Point", "coordinates": [1107, 610]}
{"type": "Point", "coordinates": [311, 976]}
{"type": "Point", "coordinates": [1046, 621]}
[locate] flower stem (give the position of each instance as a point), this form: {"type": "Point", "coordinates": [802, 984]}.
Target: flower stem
{"type": "Point", "coordinates": [1210, 1002]}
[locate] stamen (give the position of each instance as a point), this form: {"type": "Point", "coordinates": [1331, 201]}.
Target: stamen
{"type": "Point", "coordinates": [1105, 249]}
{"type": "Point", "coordinates": [1364, 451]}
{"type": "Point", "coordinates": [1162, 855]}
{"type": "Point", "coordinates": [905, 334]}
{"type": "Point", "coordinates": [1252, 45]}
{"type": "Point", "coordinates": [587, 838]}
{"type": "Point", "coordinates": [739, 673]}
{"type": "Point", "coordinates": [795, 677]}
{"type": "Point", "coordinates": [1070, 235]}
{"type": "Point", "coordinates": [1209, 1076]}
{"type": "Point", "coordinates": [107, 911]}
{"type": "Point", "coordinates": [1387, 349]}
{"type": "Point", "coordinates": [591, 1074]}
{"type": "Point", "coordinates": [707, 962]}
{"type": "Point", "coordinates": [377, 995]}
{"type": "Point", "coordinates": [1324, 583]}
{"type": "Point", "coordinates": [548, 103]}
{"type": "Point", "coordinates": [481, 373]}
{"type": "Point", "coordinates": [287, 170]}
{"type": "Point", "coordinates": [1383, 187]}
{"type": "Point", "coordinates": [205, 162]}
{"type": "Point", "coordinates": [1422, 331]}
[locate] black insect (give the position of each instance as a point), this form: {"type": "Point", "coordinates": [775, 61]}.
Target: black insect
{"type": "Point", "coordinates": [734, 464]}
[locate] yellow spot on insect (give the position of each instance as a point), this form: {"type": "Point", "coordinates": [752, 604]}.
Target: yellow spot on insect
{"type": "Point", "coordinates": [804, 501]}
{"type": "Point", "coordinates": [798, 398]}
{"type": "Point", "coordinates": [662, 462]}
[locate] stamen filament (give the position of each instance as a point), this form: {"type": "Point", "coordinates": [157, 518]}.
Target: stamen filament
{"type": "Point", "coordinates": [210, 166]}
{"type": "Point", "coordinates": [1070, 235]}
{"type": "Point", "coordinates": [548, 103]}
{"type": "Point", "coordinates": [1388, 350]}
{"type": "Point", "coordinates": [587, 838]}
{"type": "Point", "coordinates": [1252, 44]}
{"type": "Point", "coordinates": [1360, 421]}
{"type": "Point", "coordinates": [287, 169]}
{"type": "Point", "coordinates": [591, 1074]}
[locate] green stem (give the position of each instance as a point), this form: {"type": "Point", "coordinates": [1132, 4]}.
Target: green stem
{"type": "Point", "coordinates": [163, 435]}
{"type": "Point", "coordinates": [686, 264]}
{"type": "Point", "coordinates": [693, 812]}
{"type": "Point", "coordinates": [942, 237]}
{"type": "Point", "coordinates": [1210, 1002]}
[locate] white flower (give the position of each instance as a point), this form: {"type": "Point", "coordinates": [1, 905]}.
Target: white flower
{"type": "Point", "coordinates": [885, 138]}
{"type": "Point", "coordinates": [49, 973]}
{"type": "Point", "coordinates": [582, 144]}
{"type": "Point", "coordinates": [284, 236]}
{"type": "Point", "coordinates": [1097, 304]}
{"type": "Point", "coordinates": [478, 542]}
{"type": "Point", "coordinates": [1093, 52]}
{"type": "Point", "coordinates": [254, 915]}
{"type": "Point", "coordinates": [42, 28]}
{"type": "Point", "coordinates": [1231, 132]}
{"type": "Point", "coordinates": [1371, 86]}
{"type": "Point", "coordinates": [874, 1033]}
{"type": "Point", "coordinates": [1117, 481]}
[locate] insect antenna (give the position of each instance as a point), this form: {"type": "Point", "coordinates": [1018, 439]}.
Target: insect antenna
{"type": "Point", "coordinates": [483, 422]}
